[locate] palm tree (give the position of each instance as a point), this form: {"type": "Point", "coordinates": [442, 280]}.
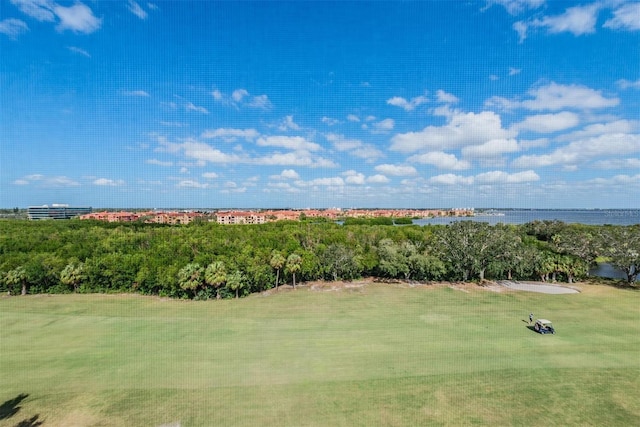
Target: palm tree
{"type": "Point", "coordinates": [277, 262]}
{"type": "Point", "coordinates": [17, 276]}
{"type": "Point", "coordinates": [190, 277]}
{"type": "Point", "coordinates": [73, 274]}
{"type": "Point", "coordinates": [235, 281]}
{"type": "Point", "coordinates": [215, 275]}
{"type": "Point", "coordinates": [294, 264]}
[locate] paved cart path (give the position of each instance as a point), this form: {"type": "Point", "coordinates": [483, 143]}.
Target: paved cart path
{"type": "Point", "coordinates": [543, 288]}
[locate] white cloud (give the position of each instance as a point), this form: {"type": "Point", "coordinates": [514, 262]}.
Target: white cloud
{"type": "Point", "coordinates": [353, 177]}
{"type": "Point", "coordinates": [492, 177]}
{"type": "Point", "coordinates": [626, 84]}
{"type": "Point", "coordinates": [547, 123]}
{"type": "Point", "coordinates": [141, 93]}
{"type": "Point", "coordinates": [410, 105]}
{"type": "Point", "coordinates": [491, 148]}
{"type": "Point", "coordinates": [13, 27]}
{"type": "Point", "coordinates": [461, 129]}
{"type": "Point", "coordinates": [353, 118]}
{"type": "Point", "coordinates": [210, 175]}
{"type": "Point", "coordinates": [580, 151]}
{"type": "Point", "coordinates": [445, 97]}
{"type": "Point", "coordinates": [514, 71]}
{"type": "Point", "coordinates": [239, 94]}
{"type": "Point", "coordinates": [217, 95]}
{"type": "Point", "coordinates": [499, 177]}
{"type": "Point", "coordinates": [377, 179]}
{"type": "Point", "coordinates": [299, 158]}
{"type": "Point", "coordinates": [188, 183]}
{"type": "Point", "coordinates": [329, 121]}
{"type": "Point", "coordinates": [577, 20]}
{"type": "Point", "coordinates": [108, 182]}
{"type": "Point", "coordinates": [79, 51]}
{"type": "Point", "coordinates": [41, 10]}
{"type": "Point", "coordinates": [627, 17]}
{"type": "Point", "coordinates": [201, 151]}
{"type": "Point", "coordinates": [556, 97]}
{"type": "Point", "coordinates": [396, 170]}
{"type": "Point", "coordinates": [296, 143]}
{"type": "Point", "coordinates": [137, 10]}
{"type": "Point", "coordinates": [451, 179]}
{"type": "Point", "coordinates": [158, 162]}
{"type": "Point", "coordinates": [230, 135]}
{"type": "Point", "coordinates": [624, 180]}
{"type": "Point", "coordinates": [261, 101]}
{"type": "Point", "coordinates": [441, 160]}
{"type": "Point", "coordinates": [618, 164]}
{"type": "Point", "coordinates": [326, 182]}
{"type": "Point", "coordinates": [191, 107]}
{"type": "Point", "coordinates": [47, 181]}
{"type": "Point", "coordinates": [287, 174]}
{"type": "Point", "coordinates": [288, 124]}
{"type": "Point", "coordinates": [597, 129]}
{"type": "Point", "coordinates": [383, 126]}
{"type": "Point", "coordinates": [77, 18]}
{"type": "Point", "coordinates": [515, 7]}
{"type": "Point", "coordinates": [355, 147]}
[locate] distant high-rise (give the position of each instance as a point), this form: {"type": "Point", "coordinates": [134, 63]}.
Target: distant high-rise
{"type": "Point", "coordinates": [55, 211]}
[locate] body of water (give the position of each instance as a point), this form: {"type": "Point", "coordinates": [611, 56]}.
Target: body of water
{"type": "Point", "coordinates": [522, 216]}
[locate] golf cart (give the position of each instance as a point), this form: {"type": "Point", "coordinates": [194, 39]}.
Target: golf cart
{"type": "Point", "coordinates": [544, 326]}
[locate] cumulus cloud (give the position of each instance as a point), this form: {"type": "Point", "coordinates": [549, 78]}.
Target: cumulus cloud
{"type": "Point", "coordinates": [492, 177]}
{"type": "Point", "coordinates": [329, 121]}
{"type": "Point", "coordinates": [383, 126]}
{"type": "Point", "coordinates": [554, 97]}
{"type": "Point", "coordinates": [242, 98]}
{"type": "Point", "coordinates": [355, 147]}
{"type": "Point", "coordinates": [547, 123]}
{"type": "Point", "coordinates": [491, 148]}
{"type": "Point", "coordinates": [461, 129]}
{"type": "Point", "coordinates": [577, 20]}
{"type": "Point", "coordinates": [515, 7]}
{"type": "Point", "coordinates": [597, 129]}
{"type": "Point", "coordinates": [627, 84]}
{"type": "Point", "coordinates": [296, 143]}
{"type": "Point", "coordinates": [631, 163]}
{"type": "Point", "coordinates": [353, 177]}
{"type": "Point", "coordinates": [441, 160]}
{"type": "Point", "coordinates": [77, 18]}
{"type": "Point", "coordinates": [13, 27]}
{"type": "Point", "coordinates": [583, 150]}
{"type": "Point", "coordinates": [396, 170]}
{"type": "Point", "coordinates": [445, 97]}
{"type": "Point", "coordinates": [626, 17]}
{"type": "Point", "coordinates": [189, 183]}
{"type": "Point", "coordinates": [230, 135]}
{"type": "Point", "coordinates": [286, 174]}
{"type": "Point", "coordinates": [377, 179]}
{"type": "Point", "coordinates": [141, 93]}
{"type": "Point", "coordinates": [108, 182]}
{"type": "Point", "coordinates": [514, 71]}
{"type": "Point", "coordinates": [210, 175]}
{"type": "Point", "coordinates": [353, 118]}
{"type": "Point", "coordinates": [288, 124]}
{"type": "Point", "coordinates": [409, 105]}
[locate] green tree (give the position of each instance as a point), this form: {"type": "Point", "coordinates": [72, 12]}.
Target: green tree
{"type": "Point", "coordinates": [294, 263]}
{"type": "Point", "coordinates": [277, 262]}
{"type": "Point", "coordinates": [190, 277]}
{"type": "Point", "coordinates": [622, 246]}
{"type": "Point", "coordinates": [17, 277]}
{"type": "Point", "coordinates": [216, 275]}
{"type": "Point", "coordinates": [235, 281]}
{"type": "Point", "coordinates": [73, 275]}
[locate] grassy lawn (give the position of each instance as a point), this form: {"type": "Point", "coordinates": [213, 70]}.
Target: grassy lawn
{"type": "Point", "coordinates": [376, 355]}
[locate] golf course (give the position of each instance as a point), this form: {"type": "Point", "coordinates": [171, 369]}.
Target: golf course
{"type": "Point", "coordinates": [354, 354]}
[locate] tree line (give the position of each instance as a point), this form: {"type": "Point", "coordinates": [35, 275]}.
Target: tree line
{"type": "Point", "coordinates": [207, 260]}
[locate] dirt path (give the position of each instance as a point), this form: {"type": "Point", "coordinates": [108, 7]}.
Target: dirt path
{"type": "Point", "coordinates": [543, 288]}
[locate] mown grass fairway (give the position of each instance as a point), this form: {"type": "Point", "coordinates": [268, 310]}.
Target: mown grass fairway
{"type": "Point", "coordinates": [375, 355]}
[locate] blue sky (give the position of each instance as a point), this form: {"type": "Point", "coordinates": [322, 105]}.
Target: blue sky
{"type": "Point", "coordinates": [522, 103]}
